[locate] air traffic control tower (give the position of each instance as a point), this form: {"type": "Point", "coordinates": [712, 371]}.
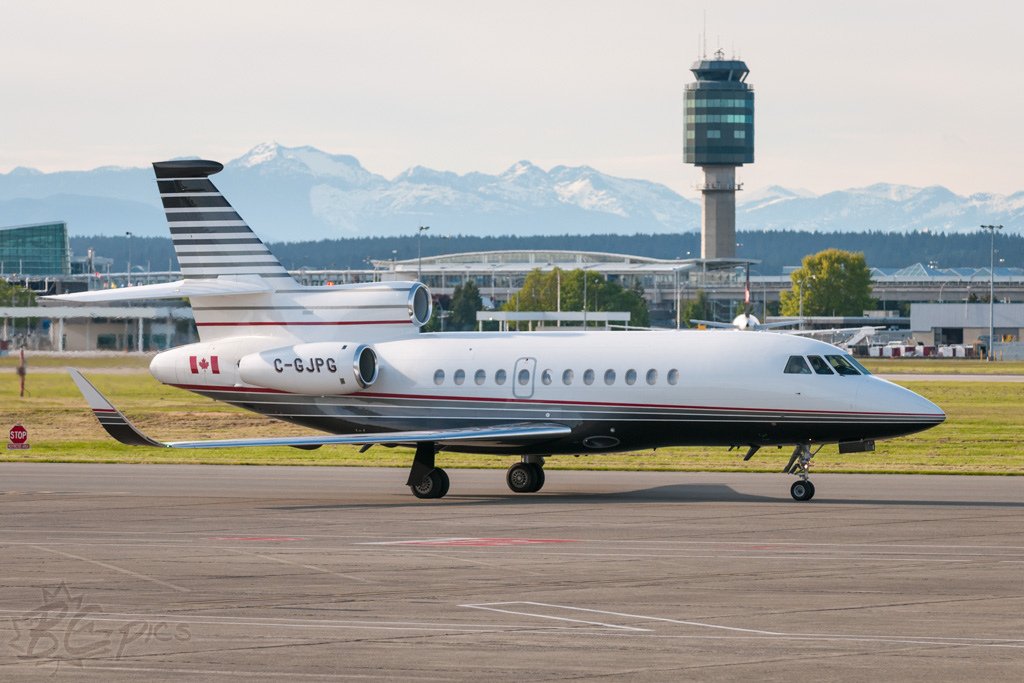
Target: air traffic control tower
{"type": "Point", "coordinates": [719, 137]}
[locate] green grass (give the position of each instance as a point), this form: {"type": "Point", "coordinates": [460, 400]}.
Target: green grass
{"type": "Point", "coordinates": [981, 435]}
{"type": "Point", "coordinates": [942, 366]}
{"type": "Point", "coordinates": [123, 361]}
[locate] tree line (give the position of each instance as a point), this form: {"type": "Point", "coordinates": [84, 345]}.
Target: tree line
{"type": "Point", "coordinates": [775, 249]}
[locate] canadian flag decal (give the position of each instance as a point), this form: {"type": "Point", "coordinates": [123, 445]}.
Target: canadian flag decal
{"type": "Point", "coordinates": [199, 364]}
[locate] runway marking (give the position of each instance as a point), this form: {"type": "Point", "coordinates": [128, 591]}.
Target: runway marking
{"type": "Point", "coordinates": [473, 542]}
{"type": "Point", "coordinates": [105, 565]}
{"type": "Point", "coordinates": [312, 567]}
{"type": "Point", "coordinates": [489, 606]}
{"type": "Point", "coordinates": [1016, 643]}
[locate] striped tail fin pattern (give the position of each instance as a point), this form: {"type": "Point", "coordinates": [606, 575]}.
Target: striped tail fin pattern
{"type": "Point", "coordinates": [210, 238]}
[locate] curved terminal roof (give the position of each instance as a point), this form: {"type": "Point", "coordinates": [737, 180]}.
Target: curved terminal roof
{"type": "Point", "coordinates": [546, 259]}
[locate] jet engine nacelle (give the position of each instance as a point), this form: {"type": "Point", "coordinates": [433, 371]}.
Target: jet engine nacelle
{"type": "Point", "coordinates": [324, 368]}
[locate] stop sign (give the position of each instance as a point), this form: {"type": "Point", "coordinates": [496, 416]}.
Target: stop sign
{"type": "Point", "coordinates": [18, 434]}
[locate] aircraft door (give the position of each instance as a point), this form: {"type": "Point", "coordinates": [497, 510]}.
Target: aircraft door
{"type": "Point", "coordinates": [522, 377]}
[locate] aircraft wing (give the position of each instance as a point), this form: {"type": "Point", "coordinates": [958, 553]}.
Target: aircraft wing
{"type": "Point", "coordinates": [167, 290]}
{"type": "Point", "coordinates": [712, 323]}
{"type": "Point", "coordinates": [772, 326]}
{"type": "Point", "coordinates": [118, 426]}
{"type": "Point", "coordinates": [835, 330]}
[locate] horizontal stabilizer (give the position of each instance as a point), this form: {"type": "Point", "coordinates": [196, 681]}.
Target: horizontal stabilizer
{"type": "Point", "coordinates": [118, 426]}
{"type": "Point", "coordinates": [167, 290]}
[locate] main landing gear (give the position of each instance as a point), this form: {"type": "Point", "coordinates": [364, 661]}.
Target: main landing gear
{"type": "Point", "coordinates": [526, 476]}
{"type": "Point", "coordinates": [425, 480]}
{"type": "Point", "coordinates": [428, 481]}
{"type": "Point", "coordinates": [800, 465]}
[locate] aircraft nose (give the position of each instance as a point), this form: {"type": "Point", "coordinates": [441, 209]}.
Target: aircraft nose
{"type": "Point", "coordinates": [915, 404]}
{"type": "Point", "coordinates": [930, 409]}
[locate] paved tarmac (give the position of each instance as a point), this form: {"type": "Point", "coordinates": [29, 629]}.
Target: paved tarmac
{"type": "Point", "coordinates": [130, 572]}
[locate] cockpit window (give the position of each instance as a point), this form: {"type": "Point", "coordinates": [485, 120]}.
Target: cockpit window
{"type": "Point", "coordinates": [842, 365]}
{"type": "Point", "coordinates": [797, 366]}
{"type": "Point", "coordinates": [819, 365]}
{"type": "Point", "coordinates": [858, 365]}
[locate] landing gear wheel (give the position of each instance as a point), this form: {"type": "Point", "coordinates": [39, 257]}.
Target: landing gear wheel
{"type": "Point", "coordinates": [524, 477]}
{"type": "Point", "coordinates": [434, 485]}
{"type": "Point", "coordinates": [802, 490]}
{"type": "Point", "coordinates": [538, 470]}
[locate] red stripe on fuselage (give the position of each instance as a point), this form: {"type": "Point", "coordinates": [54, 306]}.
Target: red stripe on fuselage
{"type": "Point", "coordinates": [426, 397]}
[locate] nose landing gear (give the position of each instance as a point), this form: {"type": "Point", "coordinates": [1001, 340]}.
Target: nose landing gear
{"type": "Point", "coordinates": [800, 465]}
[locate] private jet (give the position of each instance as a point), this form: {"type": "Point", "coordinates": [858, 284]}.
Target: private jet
{"type": "Point", "coordinates": [352, 362]}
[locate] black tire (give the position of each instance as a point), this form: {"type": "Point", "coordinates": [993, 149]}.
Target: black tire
{"type": "Point", "coordinates": [538, 471]}
{"type": "Point", "coordinates": [521, 478]}
{"type": "Point", "coordinates": [434, 485]}
{"type": "Point", "coordinates": [802, 490]}
{"type": "Point", "coordinates": [445, 482]}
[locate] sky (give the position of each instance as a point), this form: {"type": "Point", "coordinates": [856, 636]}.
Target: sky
{"type": "Point", "coordinates": [847, 94]}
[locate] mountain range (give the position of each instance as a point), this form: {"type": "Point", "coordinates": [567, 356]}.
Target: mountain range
{"type": "Point", "coordinates": [302, 193]}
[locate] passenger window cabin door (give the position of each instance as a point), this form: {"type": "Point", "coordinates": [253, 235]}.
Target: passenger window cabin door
{"type": "Point", "coordinates": [523, 376]}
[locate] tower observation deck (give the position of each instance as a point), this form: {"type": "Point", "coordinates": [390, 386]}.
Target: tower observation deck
{"type": "Point", "coordinates": [719, 136]}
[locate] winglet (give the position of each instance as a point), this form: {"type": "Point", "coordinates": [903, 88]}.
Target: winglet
{"type": "Point", "coordinates": [116, 424]}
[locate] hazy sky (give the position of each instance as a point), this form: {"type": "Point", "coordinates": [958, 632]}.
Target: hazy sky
{"type": "Point", "coordinates": [848, 93]}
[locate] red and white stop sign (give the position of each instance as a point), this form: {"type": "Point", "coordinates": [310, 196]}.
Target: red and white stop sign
{"type": "Point", "coordinates": [18, 434]}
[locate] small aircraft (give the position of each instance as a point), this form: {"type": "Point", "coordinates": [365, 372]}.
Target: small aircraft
{"type": "Point", "coordinates": [351, 361]}
{"type": "Point", "coordinates": [745, 321]}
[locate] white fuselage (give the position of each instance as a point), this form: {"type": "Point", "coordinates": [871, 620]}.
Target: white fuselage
{"type": "Point", "coordinates": [618, 389]}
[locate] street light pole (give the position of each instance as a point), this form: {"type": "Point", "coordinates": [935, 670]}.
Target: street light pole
{"type": "Point", "coordinates": [678, 298]}
{"type": "Point", "coordinates": [991, 288]}
{"type": "Point", "coordinates": [419, 252]}
{"type": "Point", "coordinates": [129, 258]}
{"type": "Point", "coordinates": [584, 294]}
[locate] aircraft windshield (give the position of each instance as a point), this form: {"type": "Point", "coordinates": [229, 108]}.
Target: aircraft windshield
{"type": "Point", "coordinates": [819, 365]}
{"type": "Point", "coordinates": [842, 365]}
{"type": "Point", "coordinates": [859, 366]}
{"type": "Point", "coordinates": [797, 366]}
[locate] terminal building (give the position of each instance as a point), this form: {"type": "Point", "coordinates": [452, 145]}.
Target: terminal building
{"type": "Point", "coordinates": [38, 249]}
{"type": "Point", "coordinates": [668, 285]}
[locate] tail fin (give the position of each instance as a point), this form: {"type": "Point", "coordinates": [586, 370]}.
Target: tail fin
{"type": "Point", "coordinates": [210, 238]}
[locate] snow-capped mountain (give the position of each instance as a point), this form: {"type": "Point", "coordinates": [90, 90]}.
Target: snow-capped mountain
{"type": "Point", "coordinates": [302, 193]}
{"type": "Point", "coordinates": [883, 207]}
